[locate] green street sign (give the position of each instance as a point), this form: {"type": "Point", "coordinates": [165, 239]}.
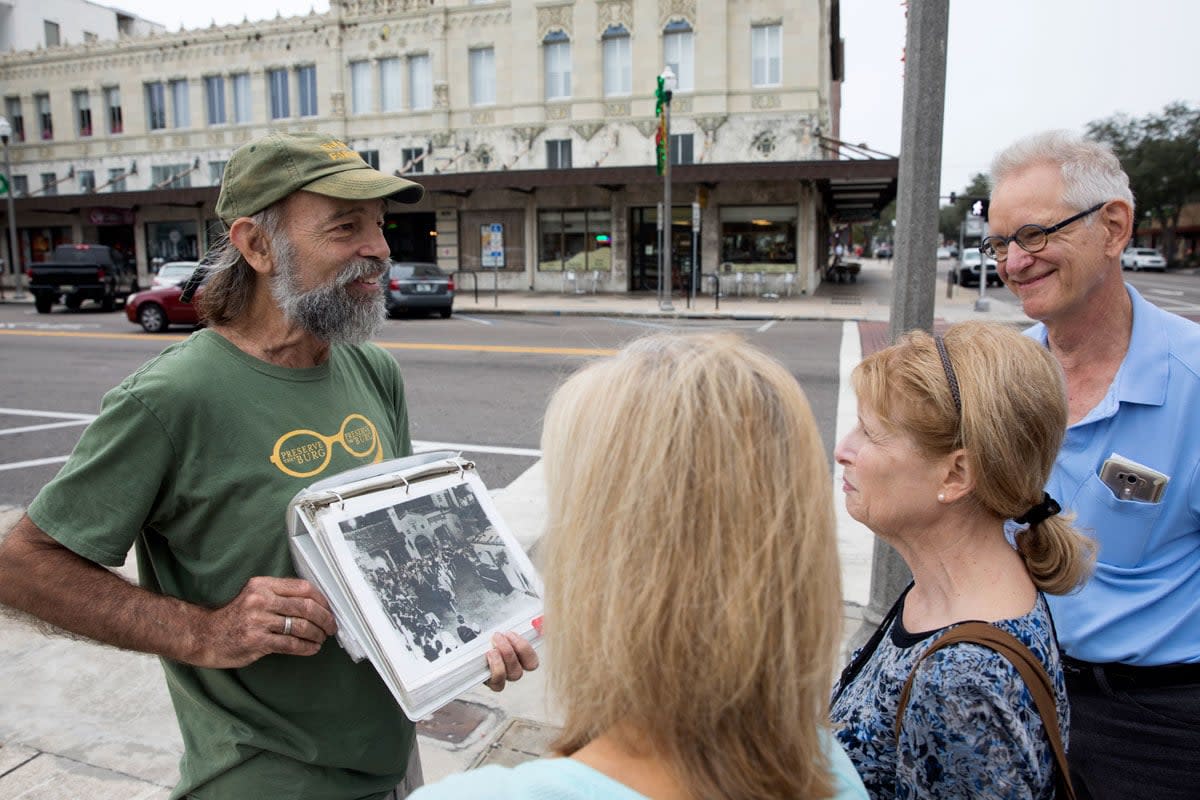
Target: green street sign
{"type": "Point", "coordinates": [3, 184]}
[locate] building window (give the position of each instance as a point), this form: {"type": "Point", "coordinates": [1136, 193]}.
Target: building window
{"type": "Point", "coordinates": [12, 108]}
{"type": "Point", "coordinates": [181, 112]}
{"type": "Point", "coordinates": [216, 171]}
{"type": "Point", "coordinates": [420, 83]}
{"type": "Point", "coordinates": [677, 54]}
{"type": "Point", "coordinates": [116, 180]}
{"type": "Point", "coordinates": [214, 99]}
{"type": "Point", "coordinates": [681, 148]}
{"type": "Point", "coordinates": [112, 102]}
{"type": "Point", "coordinates": [618, 62]}
{"type": "Point", "coordinates": [156, 106]}
{"type": "Point", "coordinates": [89, 37]}
{"type": "Point", "coordinates": [556, 49]}
{"type": "Point", "coordinates": [766, 51]}
{"type": "Point", "coordinates": [759, 235]}
{"type": "Point", "coordinates": [483, 76]}
{"type": "Point", "coordinates": [241, 98]}
{"type": "Point", "coordinates": [87, 181]}
{"type": "Point", "coordinates": [576, 239]}
{"type": "Point", "coordinates": [412, 160]}
{"type": "Point", "coordinates": [20, 185]}
{"type": "Point", "coordinates": [306, 77]}
{"type": "Point", "coordinates": [53, 37]}
{"type": "Point", "coordinates": [558, 154]}
{"type": "Point", "coordinates": [390, 81]}
{"type": "Point", "coordinates": [360, 87]}
{"type": "Point", "coordinates": [45, 121]}
{"type": "Point", "coordinates": [277, 88]}
{"type": "Point", "coordinates": [171, 176]}
{"type": "Point", "coordinates": [371, 157]}
{"type": "Point", "coordinates": [83, 112]}
{"type": "Point", "coordinates": [49, 184]}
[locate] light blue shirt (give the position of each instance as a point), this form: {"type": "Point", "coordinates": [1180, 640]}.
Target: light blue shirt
{"type": "Point", "coordinates": [568, 779]}
{"type": "Point", "coordinates": [1142, 605]}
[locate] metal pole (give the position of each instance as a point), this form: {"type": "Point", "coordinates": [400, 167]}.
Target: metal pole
{"type": "Point", "coordinates": [664, 302]}
{"type": "Point", "coordinates": [13, 246]}
{"type": "Point", "coordinates": [915, 276]}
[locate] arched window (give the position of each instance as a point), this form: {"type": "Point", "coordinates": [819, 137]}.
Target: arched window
{"type": "Point", "coordinates": [677, 54]}
{"type": "Point", "coordinates": [556, 49]}
{"type": "Point", "coordinates": [618, 62]}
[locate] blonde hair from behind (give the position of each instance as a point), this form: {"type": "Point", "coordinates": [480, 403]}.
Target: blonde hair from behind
{"type": "Point", "coordinates": [1014, 415]}
{"type": "Point", "coordinates": [692, 583]}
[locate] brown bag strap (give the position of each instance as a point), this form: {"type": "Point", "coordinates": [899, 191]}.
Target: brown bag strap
{"type": "Point", "coordinates": [1031, 671]}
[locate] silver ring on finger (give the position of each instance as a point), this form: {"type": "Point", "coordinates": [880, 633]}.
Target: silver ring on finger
{"type": "Point", "coordinates": [287, 626]}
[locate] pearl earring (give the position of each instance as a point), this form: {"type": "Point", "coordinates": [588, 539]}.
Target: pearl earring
{"type": "Point", "coordinates": [941, 497]}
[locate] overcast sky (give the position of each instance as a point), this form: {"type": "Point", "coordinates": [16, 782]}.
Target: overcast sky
{"type": "Point", "coordinates": [1013, 67]}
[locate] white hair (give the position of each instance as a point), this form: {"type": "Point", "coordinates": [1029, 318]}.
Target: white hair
{"type": "Point", "coordinates": [1091, 172]}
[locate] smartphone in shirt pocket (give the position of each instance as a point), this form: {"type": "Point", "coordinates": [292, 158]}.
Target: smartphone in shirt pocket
{"type": "Point", "coordinates": [1129, 480]}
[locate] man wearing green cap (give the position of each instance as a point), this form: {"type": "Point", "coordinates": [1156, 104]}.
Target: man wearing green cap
{"type": "Point", "coordinates": [192, 462]}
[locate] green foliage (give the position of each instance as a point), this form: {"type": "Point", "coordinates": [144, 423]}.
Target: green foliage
{"type": "Point", "coordinates": [950, 217]}
{"type": "Point", "coordinates": [1161, 155]}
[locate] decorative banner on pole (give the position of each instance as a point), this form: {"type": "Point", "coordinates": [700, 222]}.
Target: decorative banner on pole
{"type": "Point", "coordinates": [660, 135]}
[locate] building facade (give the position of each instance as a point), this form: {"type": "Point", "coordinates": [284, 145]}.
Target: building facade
{"type": "Point", "coordinates": [531, 124]}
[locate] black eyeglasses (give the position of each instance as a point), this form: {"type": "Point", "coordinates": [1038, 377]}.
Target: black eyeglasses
{"type": "Point", "coordinates": [1031, 238]}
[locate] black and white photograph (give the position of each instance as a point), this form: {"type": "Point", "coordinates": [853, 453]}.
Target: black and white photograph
{"type": "Point", "coordinates": [440, 569]}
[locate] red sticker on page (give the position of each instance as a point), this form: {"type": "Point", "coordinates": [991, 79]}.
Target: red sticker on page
{"type": "Point", "coordinates": [537, 624]}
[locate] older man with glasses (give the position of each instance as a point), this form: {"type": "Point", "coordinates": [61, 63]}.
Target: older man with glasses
{"type": "Point", "coordinates": [192, 462]}
{"type": "Point", "coordinates": [1062, 212]}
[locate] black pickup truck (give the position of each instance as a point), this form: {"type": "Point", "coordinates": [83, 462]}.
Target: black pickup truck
{"type": "Point", "coordinates": [78, 272]}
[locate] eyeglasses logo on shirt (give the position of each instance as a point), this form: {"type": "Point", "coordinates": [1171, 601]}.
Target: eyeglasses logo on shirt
{"type": "Point", "coordinates": [303, 453]}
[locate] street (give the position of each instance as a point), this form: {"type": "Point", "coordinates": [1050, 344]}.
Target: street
{"type": "Point", "coordinates": [476, 383]}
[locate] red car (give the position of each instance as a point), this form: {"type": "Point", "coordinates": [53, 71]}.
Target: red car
{"type": "Point", "coordinates": [158, 309]}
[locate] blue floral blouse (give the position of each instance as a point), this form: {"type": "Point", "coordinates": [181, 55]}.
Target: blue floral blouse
{"type": "Point", "coordinates": [971, 728]}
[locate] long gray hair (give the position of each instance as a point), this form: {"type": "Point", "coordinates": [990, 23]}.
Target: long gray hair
{"type": "Point", "coordinates": [230, 287]}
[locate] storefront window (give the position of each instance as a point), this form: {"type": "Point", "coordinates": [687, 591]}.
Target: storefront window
{"type": "Point", "coordinates": [576, 239]}
{"type": "Point", "coordinates": [172, 241]}
{"type": "Point", "coordinates": [759, 238]}
{"type": "Point", "coordinates": [509, 237]}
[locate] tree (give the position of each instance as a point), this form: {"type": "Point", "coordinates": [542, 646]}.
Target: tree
{"type": "Point", "coordinates": [952, 216]}
{"type": "Point", "coordinates": [1161, 155]}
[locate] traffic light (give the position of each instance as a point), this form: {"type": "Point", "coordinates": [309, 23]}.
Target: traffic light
{"type": "Point", "coordinates": [953, 198]}
{"type": "Point", "coordinates": [980, 207]}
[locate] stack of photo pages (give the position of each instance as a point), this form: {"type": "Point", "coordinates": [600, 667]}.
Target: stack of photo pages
{"type": "Point", "coordinates": [420, 571]}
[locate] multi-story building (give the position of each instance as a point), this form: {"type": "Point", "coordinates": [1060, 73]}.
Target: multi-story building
{"type": "Point", "coordinates": [28, 25]}
{"type": "Point", "coordinates": [531, 124]}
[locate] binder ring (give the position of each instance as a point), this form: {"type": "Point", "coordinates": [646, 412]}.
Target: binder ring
{"type": "Point", "coordinates": [341, 502]}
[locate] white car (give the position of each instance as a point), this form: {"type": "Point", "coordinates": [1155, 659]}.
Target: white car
{"type": "Point", "coordinates": [173, 273]}
{"type": "Point", "coordinates": [944, 254]}
{"type": "Point", "coordinates": [1136, 258]}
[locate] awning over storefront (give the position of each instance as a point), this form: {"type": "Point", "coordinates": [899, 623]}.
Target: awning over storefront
{"type": "Point", "coordinates": [853, 190]}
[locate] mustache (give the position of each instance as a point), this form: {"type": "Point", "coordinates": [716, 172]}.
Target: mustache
{"type": "Point", "coordinates": [360, 268]}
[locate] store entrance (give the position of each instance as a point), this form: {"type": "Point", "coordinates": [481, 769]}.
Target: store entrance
{"type": "Point", "coordinates": [411, 237]}
{"type": "Point", "coordinates": [643, 259]}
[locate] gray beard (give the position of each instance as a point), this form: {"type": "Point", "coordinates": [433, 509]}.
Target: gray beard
{"type": "Point", "coordinates": [331, 313]}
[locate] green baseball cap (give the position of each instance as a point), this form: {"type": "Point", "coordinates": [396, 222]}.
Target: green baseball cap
{"type": "Point", "coordinates": [263, 172]}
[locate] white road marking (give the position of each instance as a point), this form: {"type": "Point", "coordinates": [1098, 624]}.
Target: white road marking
{"type": "Point", "coordinates": [476, 320]}
{"type": "Point", "coordinates": [26, 412]}
{"type": "Point", "coordinates": [424, 447]}
{"type": "Point", "coordinates": [38, 462]}
{"type": "Point", "coordinates": [637, 323]}
{"type": "Point", "coordinates": [1169, 292]}
{"type": "Point", "coordinates": [767, 326]}
{"type": "Point", "coordinates": [856, 543]}
{"type": "Point", "coordinates": [46, 427]}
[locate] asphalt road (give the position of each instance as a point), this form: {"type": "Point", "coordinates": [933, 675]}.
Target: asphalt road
{"type": "Point", "coordinates": [479, 383]}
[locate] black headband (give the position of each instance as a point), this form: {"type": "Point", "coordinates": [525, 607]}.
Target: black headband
{"type": "Point", "coordinates": [1040, 512]}
{"type": "Point", "coordinates": [951, 378]}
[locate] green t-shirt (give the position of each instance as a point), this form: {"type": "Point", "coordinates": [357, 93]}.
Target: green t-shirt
{"type": "Point", "coordinates": [192, 461]}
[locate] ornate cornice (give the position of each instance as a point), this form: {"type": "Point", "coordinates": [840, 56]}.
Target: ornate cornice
{"type": "Point", "coordinates": [676, 9]}
{"type": "Point", "coordinates": [556, 17]}
{"type": "Point", "coordinates": [614, 12]}
{"type": "Point", "coordinates": [586, 130]}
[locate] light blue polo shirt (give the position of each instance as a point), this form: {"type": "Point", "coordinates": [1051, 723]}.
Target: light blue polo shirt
{"type": "Point", "coordinates": [1142, 605]}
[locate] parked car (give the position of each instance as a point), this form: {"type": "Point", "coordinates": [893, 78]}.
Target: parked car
{"type": "Point", "coordinates": [78, 272]}
{"type": "Point", "coordinates": [1139, 258]}
{"type": "Point", "coordinates": [967, 271]}
{"type": "Point", "coordinates": [883, 250]}
{"type": "Point", "coordinates": [173, 273]}
{"type": "Point", "coordinates": [418, 286]}
{"type": "Point", "coordinates": [944, 254]}
{"type": "Point", "coordinates": [158, 309]}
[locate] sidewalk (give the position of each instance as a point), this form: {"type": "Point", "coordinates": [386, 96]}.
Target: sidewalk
{"type": "Point", "coordinates": [82, 720]}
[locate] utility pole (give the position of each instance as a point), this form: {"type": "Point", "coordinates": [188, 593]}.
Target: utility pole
{"type": "Point", "coordinates": [915, 275]}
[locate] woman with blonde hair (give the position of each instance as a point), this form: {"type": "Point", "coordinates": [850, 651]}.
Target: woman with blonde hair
{"type": "Point", "coordinates": [693, 603]}
{"type": "Point", "coordinates": [956, 436]}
